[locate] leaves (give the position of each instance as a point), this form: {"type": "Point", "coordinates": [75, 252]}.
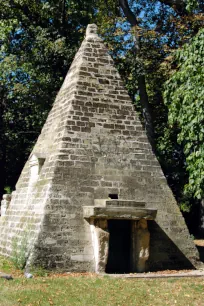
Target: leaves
{"type": "Point", "coordinates": [184, 97]}
{"type": "Point", "coordinates": [38, 40]}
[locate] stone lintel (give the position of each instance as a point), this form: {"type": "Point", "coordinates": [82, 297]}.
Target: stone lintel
{"type": "Point", "coordinates": [125, 213]}
{"type": "Point", "coordinates": [118, 203]}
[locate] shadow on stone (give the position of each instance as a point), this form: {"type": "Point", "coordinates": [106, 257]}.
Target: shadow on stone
{"type": "Point", "coordinates": [164, 254]}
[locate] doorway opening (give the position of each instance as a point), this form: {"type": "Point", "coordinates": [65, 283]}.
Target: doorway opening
{"type": "Point", "coordinates": [113, 196]}
{"type": "Point", "coordinates": [119, 257]}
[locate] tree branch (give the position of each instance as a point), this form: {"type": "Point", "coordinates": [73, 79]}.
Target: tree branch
{"type": "Point", "coordinates": [141, 78]}
{"type": "Point", "coordinates": [128, 13]}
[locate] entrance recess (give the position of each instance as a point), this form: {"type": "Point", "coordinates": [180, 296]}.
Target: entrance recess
{"type": "Point", "coordinates": [119, 254]}
{"type": "Point", "coordinates": [120, 235]}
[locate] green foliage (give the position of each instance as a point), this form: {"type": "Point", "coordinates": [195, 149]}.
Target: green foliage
{"type": "Point", "coordinates": [8, 189]}
{"type": "Point", "coordinates": [38, 40]}
{"type": "Point", "coordinates": [21, 247]}
{"type": "Point", "coordinates": [39, 271]}
{"type": "Point", "coordinates": [19, 252]}
{"type": "Point", "coordinates": [191, 5]}
{"type": "Point", "coordinates": [5, 265]}
{"type": "Point", "coordinates": [184, 98]}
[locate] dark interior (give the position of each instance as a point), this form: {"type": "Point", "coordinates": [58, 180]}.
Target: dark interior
{"type": "Point", "coordinates": [119, 246]}
{"type": "Point", "coordinates": [113, 196]}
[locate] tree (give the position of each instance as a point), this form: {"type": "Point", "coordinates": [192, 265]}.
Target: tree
{"type": "Point", "coordinates": [184, 98]}
{"type": "Point", "coordinates": [141, 76]}
{"type": "Point", "coordinates": [161, 29]}
{"type": "Point", "coordinates": [166, 24]}
{"type": "Point", "coordinates": [38, 40]}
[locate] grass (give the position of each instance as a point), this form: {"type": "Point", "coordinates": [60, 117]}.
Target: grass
{"type": "Point", "coordinates": [92, 290]}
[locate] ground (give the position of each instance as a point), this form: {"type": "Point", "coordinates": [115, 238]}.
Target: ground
{"type": "Point", "coordinates": [79, 289]}
{"type": "Point", "coordinates": [95, 290]}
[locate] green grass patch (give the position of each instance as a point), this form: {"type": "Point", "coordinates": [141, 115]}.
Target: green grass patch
{"type": "Point", "coordinates": [6, 265]}
{"type": "Point", "coordinates": [93, 290]}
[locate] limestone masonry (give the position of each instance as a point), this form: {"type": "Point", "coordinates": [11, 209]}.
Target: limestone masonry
{"type": "Point", "coordinates": [92, 195]}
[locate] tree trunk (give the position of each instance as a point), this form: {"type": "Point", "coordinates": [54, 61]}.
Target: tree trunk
{"type": "Point", "coordinates": [2, 152]}
{"type": "Point", "coordinates": [2, 177]}
{"type": "Point", "coordinates": [202, 217]}
{"type": "Point", "coordinates": [141, 79]}
{"type": "Point", "coordinates": [146, 110]}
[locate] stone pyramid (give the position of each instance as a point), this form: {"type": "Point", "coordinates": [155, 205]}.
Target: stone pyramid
{"type": "Point", "coordinates": [92, 195]}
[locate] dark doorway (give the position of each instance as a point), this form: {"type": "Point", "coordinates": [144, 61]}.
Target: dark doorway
{"type": "Point", "coordinates": [113, 196]}
{"type": "Point", "coordinates": [119, 246]}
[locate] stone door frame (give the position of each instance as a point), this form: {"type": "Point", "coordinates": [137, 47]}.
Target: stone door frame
{"type": "Point", "coordinates": [137, 213]}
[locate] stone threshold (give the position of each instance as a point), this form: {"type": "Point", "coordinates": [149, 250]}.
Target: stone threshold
{"type": "Point", "coordinates": [150, 275]}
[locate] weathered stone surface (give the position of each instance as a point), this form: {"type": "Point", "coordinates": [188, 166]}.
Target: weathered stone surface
{"type": "Point", "coordinates": [127, 213]}
{"type": "Point", "coordinates": [141, 245]}
{"type": "Point", "coordinates": [100, 240]}
{"type": "Point", "coordinates": [92, 146]}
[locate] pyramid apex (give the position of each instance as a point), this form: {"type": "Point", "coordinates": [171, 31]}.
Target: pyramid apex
{"type": "Point", "coordinates": [91, 29]}
{"type": "Point", "coordinates": [91, 32]}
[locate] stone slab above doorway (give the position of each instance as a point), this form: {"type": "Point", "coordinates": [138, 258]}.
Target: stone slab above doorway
{"type": "Point", "coordinates": [119, 209]}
